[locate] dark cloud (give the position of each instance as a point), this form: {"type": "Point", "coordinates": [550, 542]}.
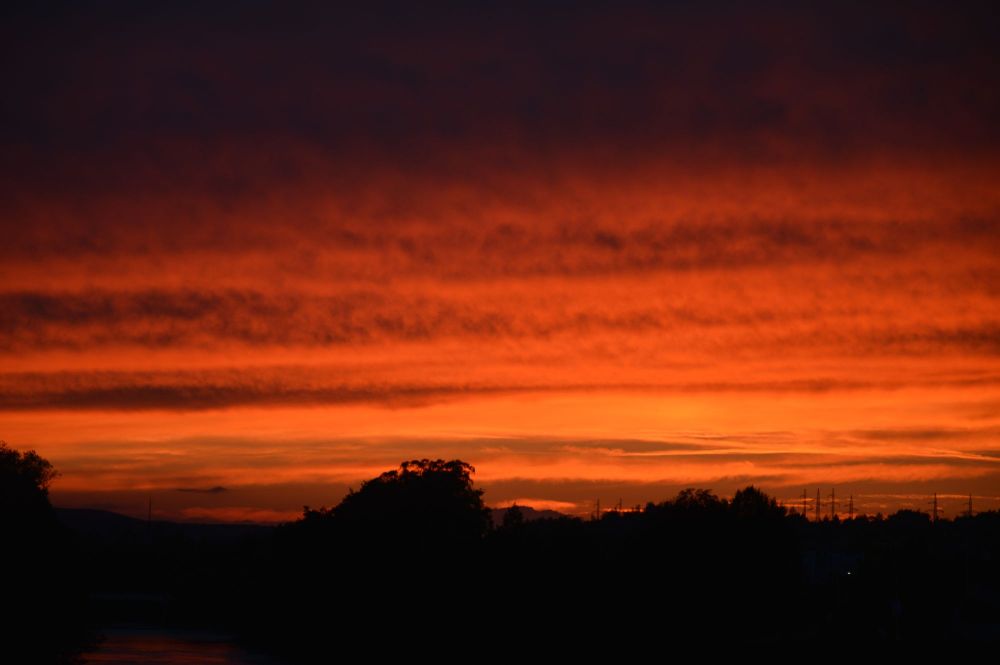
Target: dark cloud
{"type": "Point", "coordinates": [132, 396]}
{"type": "Point", "coordinates": [201, 390]}
{"type": "Point", "coordinates": [459, 237]}
{"type": "Point", "coordinates": [956, 461]}
{"type": "Point", "coordinates": [925, 434]}
{"type": "Point", "coordinates": [94, 90]}
{"type": "Point", "coordinates": [163, 319]}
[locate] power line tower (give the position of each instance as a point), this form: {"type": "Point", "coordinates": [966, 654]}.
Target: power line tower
{"type": "Point", "coordinates": [833, 504]}
{"type": "Point", "coordinates": [850, 507]}
{"type": "Point", "coordinates": [805, 504]}
{"type": "Point", "coordinates": [968, 512]}
{"type": "Point", "coordinates": [817, 504]}
{"type": "Point", "coordinates": [934, 517]}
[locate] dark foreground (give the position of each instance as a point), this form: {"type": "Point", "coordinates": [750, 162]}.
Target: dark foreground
{"type": "Point", "coordinates": [415, 559]}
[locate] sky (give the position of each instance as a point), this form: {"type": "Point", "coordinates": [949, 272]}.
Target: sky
{"type": "Point", "coordinates": [255, 253]}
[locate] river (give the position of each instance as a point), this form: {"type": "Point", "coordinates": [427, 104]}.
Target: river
{"type": "Point", "coordinates": [160, 646]}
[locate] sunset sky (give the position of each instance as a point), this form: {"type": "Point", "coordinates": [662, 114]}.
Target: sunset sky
{"type": "Point", "coordinates": [252, 254]}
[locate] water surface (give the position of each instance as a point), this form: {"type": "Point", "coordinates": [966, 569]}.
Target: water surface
{"type": "Point", "coordinates": [159, 646]}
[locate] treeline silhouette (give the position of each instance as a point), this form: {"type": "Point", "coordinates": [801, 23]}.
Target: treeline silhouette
{"type": "Point", "coordinates": [413, 552]}
{"type": "Point", "coordinates": [413, 557]}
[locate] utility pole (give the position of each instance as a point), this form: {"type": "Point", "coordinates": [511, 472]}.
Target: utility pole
{"type": "Point", "coordinates": [817, 504]}
{"type": "Point", "coordinates": [934, 517]}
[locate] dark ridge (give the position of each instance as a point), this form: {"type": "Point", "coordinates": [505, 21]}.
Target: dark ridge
{"type": "Point", "coordinates": [103, 524]}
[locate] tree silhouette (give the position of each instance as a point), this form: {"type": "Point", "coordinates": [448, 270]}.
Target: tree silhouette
{"type": "Point", "coordinates": [23, 476]}
{"type": "Point", "coordinates": [698, 500]}
{"type": "Point", "coordinates": [42, 586]}
{"type": "Point", "coordinates": [753, 503]}
{"type": "Point", "coordinates": [397, 551]}
{"type": "Point", "coordinates": [25, 511]}
{"type": "Point", "coordinates": [513, 518]}
{"type": "Point", "coordinates": [424, 504]}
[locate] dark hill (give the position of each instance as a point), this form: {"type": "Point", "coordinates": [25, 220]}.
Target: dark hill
{"type": "Point", "coordinates": [103, 524]}
{"type": "Point", "coordinates": [529, 513]}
